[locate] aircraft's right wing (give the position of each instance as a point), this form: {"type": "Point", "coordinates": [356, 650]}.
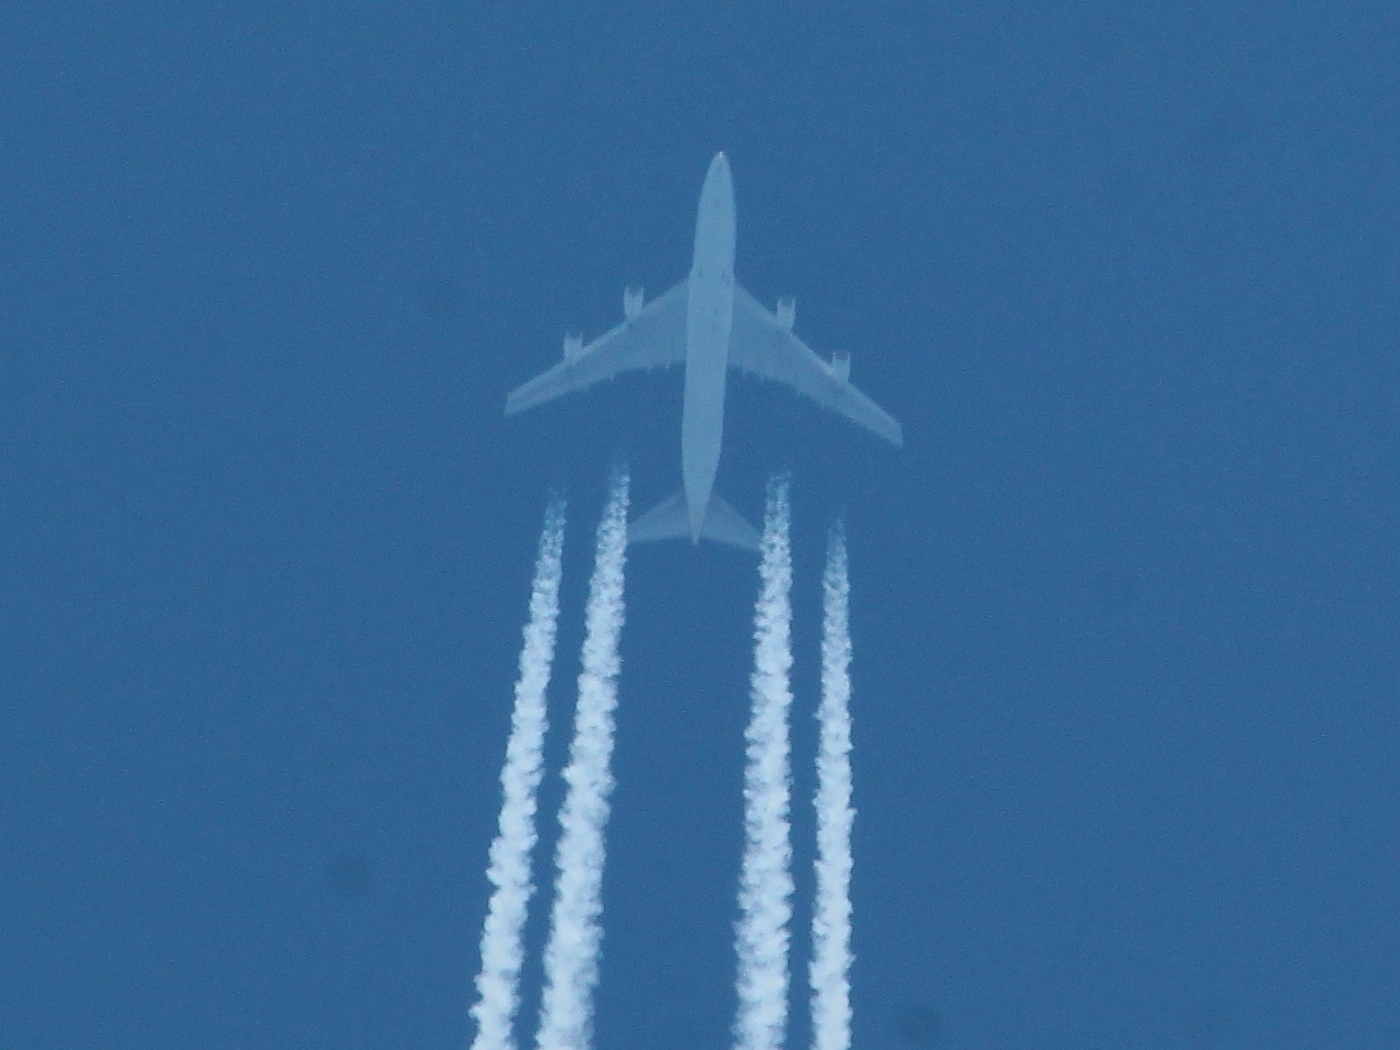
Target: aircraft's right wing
{"type": "Point", "coordinates": [652, 339]}
{"type": "Point", "coordinates": [759, 344]}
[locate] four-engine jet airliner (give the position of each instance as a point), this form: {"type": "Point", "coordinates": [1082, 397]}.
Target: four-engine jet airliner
{"type": "Point", "coordinates": [711, 324]}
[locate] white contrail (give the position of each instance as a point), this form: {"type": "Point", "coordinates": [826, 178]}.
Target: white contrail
{"type": "Point", "coordinates": [571, 956]}
{"type": "Point", "coordinates": [831, 914]}
{"type": "Point", "coordinates": [765, 886]}
{"type": "Point", "coordinates": [497, 984]}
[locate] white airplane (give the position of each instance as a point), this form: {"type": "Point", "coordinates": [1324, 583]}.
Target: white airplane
{"type": "Point", "coordinates": [711, 324]}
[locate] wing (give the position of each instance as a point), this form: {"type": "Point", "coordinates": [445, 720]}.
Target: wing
{"type": "Point", "coordinates": [760, 345]}
{"type": "Point", "coordinates": [653, 339]}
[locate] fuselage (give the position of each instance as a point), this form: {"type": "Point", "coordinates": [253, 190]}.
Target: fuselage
{"type": "Point", "coordinates": [709, 316]}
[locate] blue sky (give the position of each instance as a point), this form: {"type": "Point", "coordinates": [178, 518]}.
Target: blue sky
{"type": "Point", "coordinates": [1124, 607]}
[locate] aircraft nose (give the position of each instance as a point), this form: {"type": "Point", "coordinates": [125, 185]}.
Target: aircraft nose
{"type": "Point", "coordinates": [718, 179]}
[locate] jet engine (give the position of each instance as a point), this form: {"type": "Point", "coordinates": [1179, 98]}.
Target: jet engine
{"type": "Point", "coordinates": [787, 312]}
{"type": "Point", "coordinates": [573, 345]}
{"type": "Point", "coordinates": [841, 367]}
{"type": "Point", "coordinates": [632, 302]}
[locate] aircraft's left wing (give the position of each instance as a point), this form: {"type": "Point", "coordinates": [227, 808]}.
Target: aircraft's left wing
{"type": "Point", "coordinates": [652, 339]}
{"type": "Point", "coordinates": [759, 344]}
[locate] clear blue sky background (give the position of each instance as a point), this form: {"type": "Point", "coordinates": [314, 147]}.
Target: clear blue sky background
{"type": "Point", "coordinates": [1125, 606]}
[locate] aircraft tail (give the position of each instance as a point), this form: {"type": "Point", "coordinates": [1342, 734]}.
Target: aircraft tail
{"type": "Point", "coordinates": [668, 520]}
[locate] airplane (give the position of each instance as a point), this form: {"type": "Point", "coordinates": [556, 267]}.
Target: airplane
{"type": "Point", "coordinates": [711, 324]}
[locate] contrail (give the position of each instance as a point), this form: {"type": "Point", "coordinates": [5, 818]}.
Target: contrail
{"type": "Point", "coordinates": [765, 886]}
{"type": "Point", "coordinates": [497, 984]}
{"type": "Point", "coordinates": [831, 915]}
{"type": "Point", "coordinates": [571, 956]}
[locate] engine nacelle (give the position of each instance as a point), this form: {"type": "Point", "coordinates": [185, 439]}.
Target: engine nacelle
{"type": "Point", "coordinates": [841, 367]}
{"type": "Point", "coordinates": [573, 345]}
{"type": "Point", "coordinates": [787, 312]}
{"type": "Point", "coordinates": [632, 302]}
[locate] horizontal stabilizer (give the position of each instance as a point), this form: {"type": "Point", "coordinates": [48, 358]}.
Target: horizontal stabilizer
{"type": "Point", "coordinates": [670, 520]}
{"type": "Point", "coordinates": [724, 524]}
{"type": "Point", "coordinates": [665, 521]}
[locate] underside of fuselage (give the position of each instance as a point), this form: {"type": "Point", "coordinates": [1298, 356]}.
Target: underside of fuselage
{"type": "Point", "coordinates": [709, 317]}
